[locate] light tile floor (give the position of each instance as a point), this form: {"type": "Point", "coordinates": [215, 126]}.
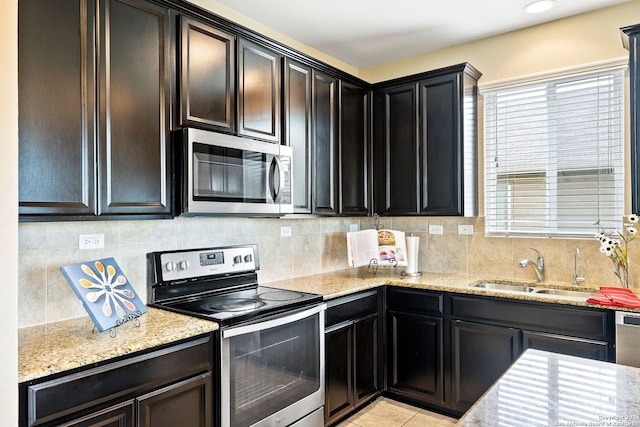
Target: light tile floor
{"type": "Point", "coordinates": [389, 413]}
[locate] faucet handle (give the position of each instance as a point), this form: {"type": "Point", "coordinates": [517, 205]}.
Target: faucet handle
{"type": "Point", "coordinates": [537, 251]}
{"type": "Point", "coordinates": [540, 260]}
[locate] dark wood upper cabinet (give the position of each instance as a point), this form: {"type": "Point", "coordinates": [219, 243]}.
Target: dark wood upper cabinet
{"type": "Point", "coordinates": [396, 153]}
{"type": "Point", "coordinates": [73, 166]}
{"type": "Point", "coordinates": [297, 130]}
{"type": "Point", "coordinates": [207, 77]}
{"type": "Point", "coordinates": [440, 157]}
{"type": "Point", "coordinates": [631, 40]}
{"type": "Point", "coordinates": [259, 77]}
{"type": "Point", "coordinates": [324, 142]}
{"type": "Point", "coordinates": [56, 84]}
{"type": "Point", "coordinates": [353, 150]}
{"type": "Point", "coordinates": [425, 143]}
{"type": "Point", "coordinates": [134, 106]}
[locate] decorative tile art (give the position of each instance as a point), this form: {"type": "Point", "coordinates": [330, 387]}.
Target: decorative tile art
{"type": "Point", "coordinates": [104, 291]}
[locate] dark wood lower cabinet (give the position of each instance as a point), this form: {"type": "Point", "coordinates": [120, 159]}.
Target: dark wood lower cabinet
{"type": "Point", "coordinates": [186, 404]}
{"type": "Point", "coordinates": [444, 350]}
{"type": "Point", "coordinates": [351, 362]}
{"type": "Point", "coordinates": [171, 386]}
{"type": "Point", "coordinates": [338, 372]}
{"type": "Point", "coordinates": [351, 354]}
{"type": "Point", "coordinates": [580, 347]}
{"type": "Point", "coordinates": [415, 357]}
{"type": "Point", "coordinates": [365, 356]}
{"type": "Point", "coordinates": [117, 416]}
{"type": "Point", "coordinates": [480, 355]}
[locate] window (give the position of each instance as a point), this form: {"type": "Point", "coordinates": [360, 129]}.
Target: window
{"type": "Point", "coordinates": [554, 155]}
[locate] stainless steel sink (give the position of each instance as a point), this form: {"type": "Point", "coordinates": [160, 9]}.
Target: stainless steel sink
{"type": "Point", "coordinates": [517, 287]}
{"type": "Point", "coordinates": [503, 286]}
{"type": "Point", "coordinates": [563, 292]}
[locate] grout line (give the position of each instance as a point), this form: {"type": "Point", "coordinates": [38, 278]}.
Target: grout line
{"type": "Point", "coordinates": [405, 423]}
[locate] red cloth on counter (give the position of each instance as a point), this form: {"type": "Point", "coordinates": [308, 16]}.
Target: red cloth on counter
{"type": "Point", "coordinates": [618, 297]}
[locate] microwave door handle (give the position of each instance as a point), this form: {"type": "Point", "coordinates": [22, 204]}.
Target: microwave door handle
{"type": "Point", "coordinates": [278, 164]}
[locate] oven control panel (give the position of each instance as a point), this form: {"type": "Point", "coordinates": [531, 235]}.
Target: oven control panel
{"type": "Point", "coordinates": [196, 263]}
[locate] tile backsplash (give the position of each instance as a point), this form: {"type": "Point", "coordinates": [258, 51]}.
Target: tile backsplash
{"type": "Point", "coordinates": [316, 245]}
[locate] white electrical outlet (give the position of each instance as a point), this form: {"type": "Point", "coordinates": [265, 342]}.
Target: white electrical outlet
{"type": "Point", "coordinates": [465, 229]}
{"type": "Point", "coordinates": [285, 231]}
{"type": "Point", "coordinates": [354, 227]}
{"type": "Point", "coordinates": [436, 229]}
{"type": "Point", "coordinates": [91, 241]}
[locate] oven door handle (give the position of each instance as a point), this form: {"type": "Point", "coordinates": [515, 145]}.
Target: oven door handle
{"type": "Point", "coordinates": [273, 323]}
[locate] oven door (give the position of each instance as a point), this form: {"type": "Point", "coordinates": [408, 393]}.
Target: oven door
{"type": "Point", "coordinates": [273, 371]}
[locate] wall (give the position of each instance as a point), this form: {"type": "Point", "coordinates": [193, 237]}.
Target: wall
{"type": "Point", "coordinates": [317, 245]}
{"type": "Point", "coordinates": [581, 39]}
{"type": "Point", "coordinates": [9, 211]}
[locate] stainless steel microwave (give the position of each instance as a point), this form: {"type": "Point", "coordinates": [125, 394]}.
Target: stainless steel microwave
{"type": "Point", "coordinates": [225, 174]}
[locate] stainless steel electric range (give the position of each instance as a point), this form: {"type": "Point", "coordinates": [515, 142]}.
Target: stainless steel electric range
{"type": "Point", "coordinates": [271, 349]}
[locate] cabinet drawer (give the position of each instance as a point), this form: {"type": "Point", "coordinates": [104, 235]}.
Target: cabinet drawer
{"type": "Point", "coordinates": [415, 301]}
{"type": "Point", "coordinates": [95, 386]}
{"type": "Point", "coordinates": [351, 307]}
{"type": "Point", "coordinates": [577, 322]}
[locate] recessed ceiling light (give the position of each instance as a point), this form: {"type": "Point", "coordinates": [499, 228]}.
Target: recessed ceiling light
{"type": "Point", "coordinates": [539, 6]}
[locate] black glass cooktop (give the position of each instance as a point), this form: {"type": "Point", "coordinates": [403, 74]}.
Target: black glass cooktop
{"type": "Point", "coordinates": [241, 305]}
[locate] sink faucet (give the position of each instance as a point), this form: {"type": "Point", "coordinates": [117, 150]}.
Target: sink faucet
{"type": "Point", "coordinates": [576, 279]}
{"type": "Point", "coordinates": [538, 267]}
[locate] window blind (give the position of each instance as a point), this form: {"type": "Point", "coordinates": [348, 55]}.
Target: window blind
{"type": "Point", "coordinates": [554, 156]}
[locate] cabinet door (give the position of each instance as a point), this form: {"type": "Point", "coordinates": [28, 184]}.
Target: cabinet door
{"type": "Point", "coordinates": [297, 131]}
{"type": "Point", "coordinates": [185, 404]}
{"type": "Point", "coordinates": [580, 347]}
{"type": "Point", "coordinates": [396, 182]}
{"type": "Point", "coordinates": [365, 358]}
{"type": "Point", "coordinates": [207, 77]}
{"type": "Point", "coordinates": [324, 182]}
{"type": "Point", "coordinates": [441, 138]}
{"type": "Point", "coordinates": [259, 74]}
{"type": "Point", "coordinates": [338, 371]}
{"type": "Point", "coordinates": [115, 416]}
{"type": "Point", "coordinates": [56, 84]}
{"type": "Point", "coordinates": [415, 357]}
{"type": "Point", "coordinates": [353, 152]}
{"type": "Point", "coordinates": [134, 105]}
{"type": "Point", "coordinates": [480, 354]}
{"type": "Point", "coordinates": [633, 34]}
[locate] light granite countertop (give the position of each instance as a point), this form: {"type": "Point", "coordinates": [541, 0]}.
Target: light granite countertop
{"type": "Point", "coordinates": [61, 346]}
{"type": "Point", "coordinates": [344, 282]}
{"type": "Point", "coordinates": [56, 347]}
{"type": "Point", "coordinates": [550, 389]}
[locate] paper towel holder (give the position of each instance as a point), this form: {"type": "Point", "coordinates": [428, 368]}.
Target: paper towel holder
{"type": "Point", "coordinates": [412, 273]}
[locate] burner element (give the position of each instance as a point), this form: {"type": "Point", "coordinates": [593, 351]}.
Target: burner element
{"type": "Point", "coordinates": [280, 295]}
{"type": "Point", "coordinates": [235, 304]}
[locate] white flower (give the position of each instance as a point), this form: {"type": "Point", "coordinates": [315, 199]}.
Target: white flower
{"type": "Point", "coordinates": [632, 230]}
{"type": "Point", "coordinates": [633, 218]}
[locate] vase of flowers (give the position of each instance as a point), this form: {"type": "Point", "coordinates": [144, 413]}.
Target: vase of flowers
{"type": "Point", "coordinates": [615, 246]}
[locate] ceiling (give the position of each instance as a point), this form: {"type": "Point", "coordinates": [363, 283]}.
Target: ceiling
{"type": "Point", "coordinates": [363, 33]}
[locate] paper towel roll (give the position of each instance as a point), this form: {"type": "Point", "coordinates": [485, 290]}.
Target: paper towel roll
{"type": "Point", "coordinates": [413, 246]}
